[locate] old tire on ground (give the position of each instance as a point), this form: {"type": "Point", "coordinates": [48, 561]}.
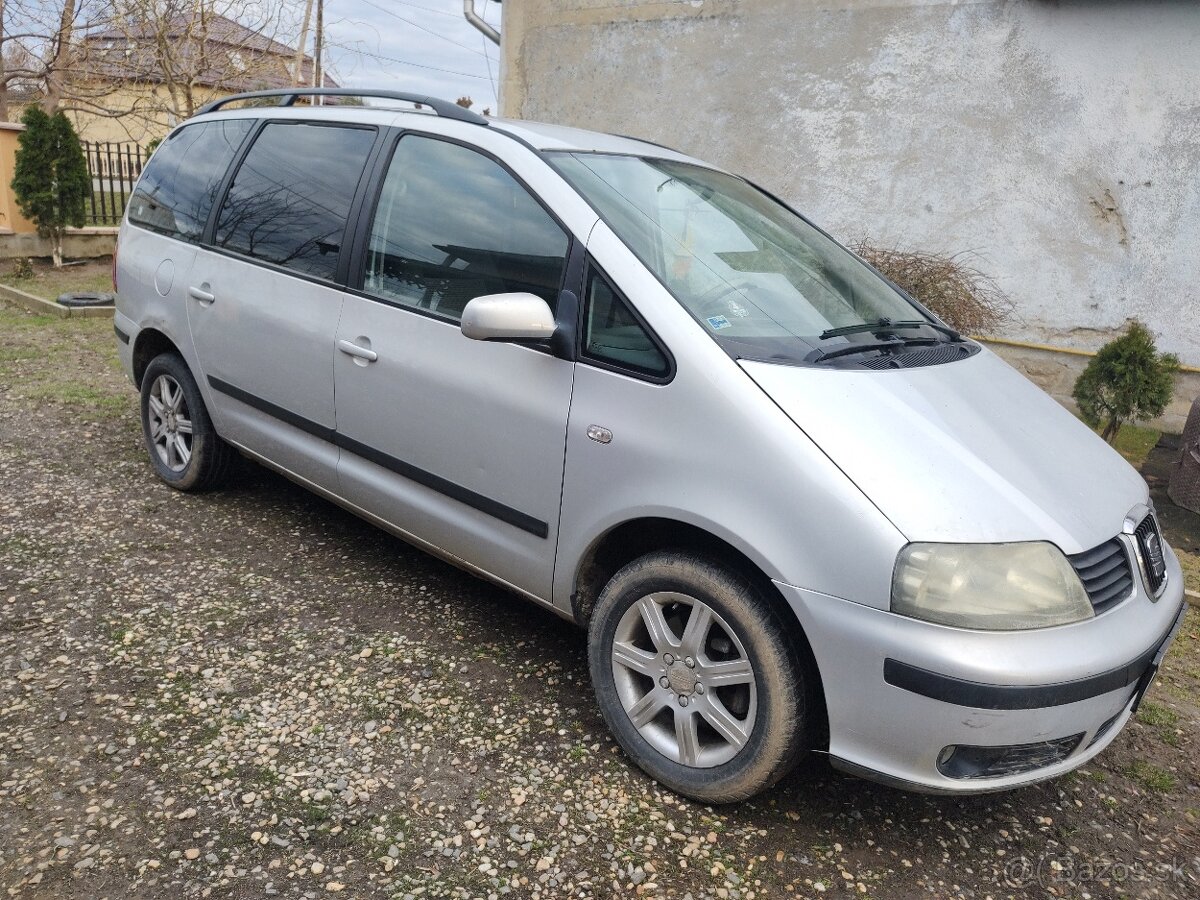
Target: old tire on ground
{"type": "Point", "coordinates": [699, 677]}
{"type": "Point", "coordinates": [185, 450]}
{"type": "Point", "coordinates": [87, 298]}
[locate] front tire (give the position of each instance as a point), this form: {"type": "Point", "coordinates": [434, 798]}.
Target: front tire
{"type": "Point", "coordinates": [185, 450]}
{"type": "Point", "coordinates": [700, 679]}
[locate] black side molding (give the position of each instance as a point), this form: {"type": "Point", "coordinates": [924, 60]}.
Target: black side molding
{"type": "Point", "coordinates": [278, 412]}
{"type": "Point", "coordinates": [484, 504]}
{"type": "Point", "coordinates": [121, 336]}
{"type": "Point", "coordinates": [975, 695]}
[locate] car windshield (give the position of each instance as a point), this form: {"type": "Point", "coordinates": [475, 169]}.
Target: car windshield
{"type": "Point", "coordinates": [761, 279]}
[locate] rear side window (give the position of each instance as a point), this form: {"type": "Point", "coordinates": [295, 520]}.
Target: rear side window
{"type": "Point", "coordinates": [179, 186]}
{"type": "Point", "coordinates": [452, 225]}
{"type": "Point", "coordinates": [291, 195]}
{"type": "Point", "coordinates": [612, 334]}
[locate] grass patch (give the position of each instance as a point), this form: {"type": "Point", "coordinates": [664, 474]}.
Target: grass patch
{"type": "Point", "coordinates": [13, 319]}
{"type": "Point", "coordinates": [1191, 569]}
{"type": "Point", "coordinates": [55, 360]}
{"type": "Point", "coordinates": [48, 282]}
{"type": "Point", "coordinates": [1162, 720]}
{"type": "Point", "coordinates": [1158, 716]}
{"type": "Point", "coordinates": [81, 396]}
{"type": "Point", "coordinates": [1134, 442]}
{"type": "Point", "coordinates": [1151, 777]}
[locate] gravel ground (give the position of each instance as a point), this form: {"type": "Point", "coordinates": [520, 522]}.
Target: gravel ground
{"type": "Point", "coordinates": [252, 694]}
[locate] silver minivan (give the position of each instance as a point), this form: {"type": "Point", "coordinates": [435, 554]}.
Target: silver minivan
{"type": "Point", "coordinates": [793, 510]}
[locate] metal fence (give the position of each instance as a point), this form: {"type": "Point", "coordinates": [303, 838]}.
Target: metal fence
{"type": "Point", "coordinates": [113, 167]}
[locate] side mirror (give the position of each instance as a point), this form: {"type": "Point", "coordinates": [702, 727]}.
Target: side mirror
{"type": "Point", "coordinates": [508, 317]}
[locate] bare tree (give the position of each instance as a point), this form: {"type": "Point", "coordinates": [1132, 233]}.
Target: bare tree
{"type": "Point", "coordinates": [59, 57]}
{"type": "Point", "coordinates": [37, 39]}
{"type": "Point", "coordinates": [175, 54]}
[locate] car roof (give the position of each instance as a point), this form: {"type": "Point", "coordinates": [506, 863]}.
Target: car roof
{"type": "Point", "coordinates": [561, 137]}
{"type": "Point", "coordinates": [538, 135]}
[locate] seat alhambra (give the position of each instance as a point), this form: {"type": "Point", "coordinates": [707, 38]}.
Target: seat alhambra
{"type": "Point", "coordinates": [793, 510]}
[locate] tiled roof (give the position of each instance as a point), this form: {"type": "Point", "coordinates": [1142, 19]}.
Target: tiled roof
{"type": "Point", "coordinates": [217, 51]}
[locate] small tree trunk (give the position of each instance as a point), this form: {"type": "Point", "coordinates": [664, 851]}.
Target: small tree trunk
{"type": "Point", "coordinates": [55, 75]}
{"type": "Point", "coordinates": [56, 249]}
{"type": "Point", "coordinates": [1110, 430]}
{"type": "Point", "coordinates": [3, 75]}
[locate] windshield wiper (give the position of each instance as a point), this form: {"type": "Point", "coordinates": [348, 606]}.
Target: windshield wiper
{"type": "Point", "coordinates": [887, 325]}
{"type": "Point", "coordinates": [867, 348]}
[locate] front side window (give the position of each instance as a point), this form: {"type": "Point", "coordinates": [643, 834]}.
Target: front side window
{"type": "Point", "coordinates": [613, 335]}
{"type": "Point", "coordinates": [452, 225]}
{"type": "Point", "coordinates": [761, 280]}
{"type": "Point", "coordinates": [179, 186]}
{"type": "Point", "coordinates": [291, 195]}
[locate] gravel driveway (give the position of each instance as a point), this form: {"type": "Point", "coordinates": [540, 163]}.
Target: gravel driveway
{"type": "Point", "coordinates": [252, 693]}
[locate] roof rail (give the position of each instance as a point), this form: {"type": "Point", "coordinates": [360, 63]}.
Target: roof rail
{"type": "Point", "coordinates": [630, 137]}
{"type": "Point", "coordinates": [288, 97]}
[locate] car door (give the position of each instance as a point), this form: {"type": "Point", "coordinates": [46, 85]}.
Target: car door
{"type": "Point", "coordinates": [457, 442]}
{"type": "Point", "coordinates": [264, 300]}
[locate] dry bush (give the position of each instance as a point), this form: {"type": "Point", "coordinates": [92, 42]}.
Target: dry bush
{"type": "Point", "coordinates": [962, 296]}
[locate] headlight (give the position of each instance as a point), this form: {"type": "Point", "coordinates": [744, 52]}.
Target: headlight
{"type": "Point", "coordinates": [996, 587]}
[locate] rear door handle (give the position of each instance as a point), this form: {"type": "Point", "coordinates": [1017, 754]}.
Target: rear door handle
{"type": "Point", "coordinates": [199, 293]}
{"type": "Point", "coordinates": [354, 349]}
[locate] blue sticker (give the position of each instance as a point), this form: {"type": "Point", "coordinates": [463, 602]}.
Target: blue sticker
{"type": "Point", "coordinates": [716, 323]}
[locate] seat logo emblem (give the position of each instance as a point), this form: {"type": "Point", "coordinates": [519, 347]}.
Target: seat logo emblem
{"type": "Point", "coordinates": [1154, 555]}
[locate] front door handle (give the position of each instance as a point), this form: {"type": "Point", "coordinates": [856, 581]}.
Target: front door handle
{"type": "Point", "coordinates": [355, 350]}
{"type": "Point", "coordinates": [199, 293]}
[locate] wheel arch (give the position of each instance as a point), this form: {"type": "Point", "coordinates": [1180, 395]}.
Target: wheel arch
{"type": "Point", "coordinates": [150, 342]}
{"type": "Point", "coordinates": [635, 538]}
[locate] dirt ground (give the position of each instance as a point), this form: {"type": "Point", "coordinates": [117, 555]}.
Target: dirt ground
{"type": "Point", "coordinates": [252, 693]}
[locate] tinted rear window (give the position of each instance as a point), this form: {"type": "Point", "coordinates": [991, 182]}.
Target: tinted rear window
{"type": "Point", "coordinates": [179, 186]}
{"type": "Point", "coordinates": [291, 196]}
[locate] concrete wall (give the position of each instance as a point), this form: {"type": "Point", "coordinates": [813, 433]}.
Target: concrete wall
{"type": "Point", "coordinates": [78, 243]}
{"type": "Point", "coordinates": [1059, 141]}
{"type": "Point", "coordinates": [1055, 371]}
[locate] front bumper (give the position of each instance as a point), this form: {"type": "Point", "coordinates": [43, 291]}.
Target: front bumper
{"type": "Point", "coordinates": [899, 691]}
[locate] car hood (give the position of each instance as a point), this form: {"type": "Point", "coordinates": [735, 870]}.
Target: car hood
{"type": "Point", "coordinates": [965, 451]}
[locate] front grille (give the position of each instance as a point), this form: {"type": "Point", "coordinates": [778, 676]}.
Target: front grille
{"type": "Point", "coordinates": [914, 359]}
{"type": "Point", "coordinates": [966, 761]}
{"type": "Point", "coordinates": [1154, 564]}
{"type": "Point", "coordinates": [1106, 574]}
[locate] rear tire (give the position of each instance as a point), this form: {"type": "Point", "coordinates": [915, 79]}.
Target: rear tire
{"type": "Point", "coordinates": [185, 450]}
{"type": "Point", "coordinates": [701, 680]}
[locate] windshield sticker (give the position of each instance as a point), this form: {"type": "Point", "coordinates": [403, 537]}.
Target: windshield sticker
{"type": "Point", "coordinates": [716, 323]}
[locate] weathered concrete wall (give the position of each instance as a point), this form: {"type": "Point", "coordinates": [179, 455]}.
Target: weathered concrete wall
{"type": "Point", "coordinates": [1055, 371]}
{"type": "Point", "coordinates": [82, 243]}
{"type": "Point", "coordinates": [1060, 141]}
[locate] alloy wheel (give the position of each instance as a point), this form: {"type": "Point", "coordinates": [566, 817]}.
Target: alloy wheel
{"type": "Point", "coordinates": [170, 423]}
{"type": "Point", "coordinates": [684, 679]}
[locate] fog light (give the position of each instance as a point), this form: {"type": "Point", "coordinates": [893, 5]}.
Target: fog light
{"type": "Point", "coordinates": [966, 761]}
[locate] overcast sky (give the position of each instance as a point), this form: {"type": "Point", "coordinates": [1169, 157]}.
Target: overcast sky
{"type": "Point", "coordinates": [423, 46]}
